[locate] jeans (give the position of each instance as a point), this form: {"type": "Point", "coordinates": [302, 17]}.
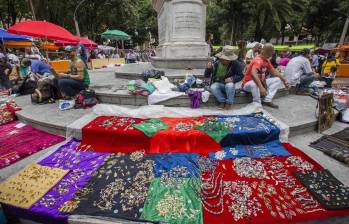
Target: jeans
{"type": "Point", "coordinates": [273, 84]}
{"type": "Point", "coordinates": [69, 87]}
{"type": "Point", "coordinates": [224, 93]}
{"type": "Point", "coordinates": [305, 80]}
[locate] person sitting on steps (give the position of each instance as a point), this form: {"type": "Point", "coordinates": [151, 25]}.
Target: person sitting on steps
{"type": "Point", "coordinates": [78, 79]}
{"type": "Point", "coordinates": [224, 73]}
{"type": "Point", "coordinates": [256, 82]}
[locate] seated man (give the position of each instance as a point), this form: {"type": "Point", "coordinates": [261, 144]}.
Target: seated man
{"type": "Point", "coordinates": [255, 80]}
{"type": "Point", "coordinates": [78, 79]}
{"type": "Point", "coordinates": [224, 73]}
{"type": "Point", "coordinates": [298, 72]}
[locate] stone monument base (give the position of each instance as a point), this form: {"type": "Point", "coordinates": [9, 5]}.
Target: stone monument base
{"type": "Point", "coordinates": [182, 63]}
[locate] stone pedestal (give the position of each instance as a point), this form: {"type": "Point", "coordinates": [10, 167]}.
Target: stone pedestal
{"type": "Point", "coordinates": [182, 30]}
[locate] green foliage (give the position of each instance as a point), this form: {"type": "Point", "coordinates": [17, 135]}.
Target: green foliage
{"type": "Point", "coordinates": [226, 19]}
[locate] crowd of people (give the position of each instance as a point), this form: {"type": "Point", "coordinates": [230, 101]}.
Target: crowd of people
{"type": "Point", "coordinates": [262, 71]}
{"type": "Point", "coordinates": [18, 68]}
{"type": "Point", "coordinates": [19, 71]}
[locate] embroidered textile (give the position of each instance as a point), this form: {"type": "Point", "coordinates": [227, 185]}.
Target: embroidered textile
{"type": "Point", "coordinates": [114, 134]}
{"type": "Point", "coordinates": [171, 204]}
{"type": "Point", "coordinates": [273, 148]}
{"type": "Point", "coordinates": [56, 204]}
{"type": "Point", "coordinates": [152, 126]}
{"type": "Point", "coordinates": [263, 190]}
{"type": "Point", "coordinates": [18, 142]}
{"type": "Point", "coordinates": [29, 185]}
{"type": "Point", "coordinates": [165, 163]}
{"type": "Point", "coordinates": [182, 137]}
{"type": "Point", "coordinates": [214, 127]}
{"type": "Point", "coordinates": [119, 188]}
{"type": "Point", "coordinates": [248, 130]}
{"type": "Point", "coordinates": [330, 192]}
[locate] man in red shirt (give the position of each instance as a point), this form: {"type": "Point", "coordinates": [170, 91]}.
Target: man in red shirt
{"type": "Point", "coordinates": [256, 82]}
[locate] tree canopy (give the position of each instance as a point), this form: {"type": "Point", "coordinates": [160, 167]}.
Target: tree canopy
{"type": "Point", "coordinates": [226, 19]}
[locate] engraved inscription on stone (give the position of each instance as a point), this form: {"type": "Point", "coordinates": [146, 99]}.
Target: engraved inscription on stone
{"type": "Point", "coordinates": [162, 27]}
{"type": "Point", "coordinates": [187, 21]}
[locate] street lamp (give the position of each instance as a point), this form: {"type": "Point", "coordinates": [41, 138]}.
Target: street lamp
{"type": "Point", "coordinates": [75, 21]}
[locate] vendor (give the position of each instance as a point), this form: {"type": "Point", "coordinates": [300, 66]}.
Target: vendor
{"type": "Point", "coordinates": [224, 73]}
{"type": "Point", "coordinates": [78, 79]}
{"type": "Point", "coordinates": [37, 66]}
{"type": "Point", "coordinates": [256, 82]}
{"type": "Point", "coordinates": [299, 73]}
{"type": "Point", "coordinates": [5, 70]}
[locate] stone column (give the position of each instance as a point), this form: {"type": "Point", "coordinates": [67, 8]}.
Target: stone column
{"type": "Point", "coordinates": [182, 31]}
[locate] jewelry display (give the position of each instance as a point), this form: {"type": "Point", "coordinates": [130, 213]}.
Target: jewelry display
{"type": "Point", "coordinates": [247, 167]}
{"type": "Point", "coordinates": [330, 192]}
{"type": "Point", "coordinates": [30, 185]}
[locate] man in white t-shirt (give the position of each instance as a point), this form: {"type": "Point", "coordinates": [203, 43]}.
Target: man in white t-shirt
{"type": "Point", "coordinates": [299, 73]}
{"type": "Point", "coordinates": [252, 53]}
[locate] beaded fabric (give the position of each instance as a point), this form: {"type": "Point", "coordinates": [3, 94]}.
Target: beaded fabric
{"type": "Point", "coordinates": [119, 188]}
{"type": "Point", "coordinates": [114, 134]}
{"type": "Point", "coordinates": [55, 205]}
{"type": "Point", "coordinates": [330, 192]}
{"type": "Point", "coordinates": [18, 142]}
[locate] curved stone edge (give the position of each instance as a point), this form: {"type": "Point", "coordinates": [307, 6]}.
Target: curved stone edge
{"type": "Point", "coordinates": [44, 126]}
{"type": "Point", "coordinates": [181, 101]}
{"type": "Point", "coordinates": [133, 76]}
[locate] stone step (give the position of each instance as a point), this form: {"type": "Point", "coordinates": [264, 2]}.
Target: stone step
{"type": "Point", "coordinates": [123, 97]}
{"type": "Point", "coordinates": [134, 71]}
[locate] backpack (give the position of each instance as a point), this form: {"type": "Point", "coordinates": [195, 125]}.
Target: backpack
{"type": "Point", "coordinates": [85, 99]}
{"type": "Point", "coordinates": [29, 84]}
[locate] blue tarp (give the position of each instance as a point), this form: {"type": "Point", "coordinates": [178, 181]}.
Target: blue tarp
{"type": "Point", "coordinates": [5, 36]}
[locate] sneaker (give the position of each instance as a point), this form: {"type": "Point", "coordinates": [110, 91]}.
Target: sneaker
{"type": "Point", "coordinates": [228, 106]}
{"type": "Point", "coordinates": [270, 104]}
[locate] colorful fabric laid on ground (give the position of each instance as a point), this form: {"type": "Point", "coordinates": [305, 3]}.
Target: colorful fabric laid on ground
{"type": "Point", "coordinates": [273, 148]}
{"type": "Point", "coordinates": [214, 127]}
{"type": "Point", "coordinates": [18, 141]}
{"type": "Point", "coordinates": [114, 134]}
{"type": "Point", "coordinates": [336, 145]}
{"type": "Point", "coordinates": [167, 135]}
{"type": "Point", "coordinates": [29, 185]}
{"type": "Point", "coordinates": [246, 190]}
{"type": "Point", "coordinates": [55, 205]}
{"type": "Point", "coordinates": [119, 188]}
{"type": "Point", "coordinates": [330, 192]}
{"type": "Point", "coordinates": [152, 126]}
{"type": "Point", "coordinates": [176, 165]}
{"type": "Point", "coordinates": [177, 203]}
{"type": "Point", "coordinates": [248, 130]}
{"type": "Point", "coordinates": [182, 137]}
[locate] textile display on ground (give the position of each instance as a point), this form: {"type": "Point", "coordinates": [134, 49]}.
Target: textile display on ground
{"type": "Point", "coordinates": [29, 185]}
{"type": "Point", "coordinates": [53, 207]}
{"type": "Point", "coordinates": [158, 111]}
{"type": "Point", "coordinates": [192, 134]}
{"type": "Point", "coordinates": [18, 141]}
{"type": "Point", "coordinates": [181, 187]}
{"type": "Point", "coordinates": [335, 145]}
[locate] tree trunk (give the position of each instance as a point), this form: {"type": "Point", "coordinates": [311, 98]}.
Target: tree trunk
{"type": "Point", "coordinates": [283, 33]}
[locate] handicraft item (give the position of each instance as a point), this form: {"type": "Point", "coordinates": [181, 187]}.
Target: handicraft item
{"type": "Point", "coordinates": [29, 185]}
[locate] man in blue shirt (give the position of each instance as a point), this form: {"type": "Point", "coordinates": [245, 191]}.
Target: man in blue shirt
{"type": "Point", "coordinates": [41, 68]}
